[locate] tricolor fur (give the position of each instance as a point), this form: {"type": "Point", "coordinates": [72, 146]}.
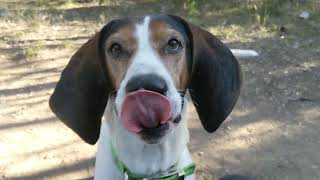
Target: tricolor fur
{"type": "Point", "coordinates": [164, 48]}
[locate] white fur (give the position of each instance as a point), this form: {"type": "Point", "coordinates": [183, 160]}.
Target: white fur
{"type": "Point", "coordinates": [139, 156]}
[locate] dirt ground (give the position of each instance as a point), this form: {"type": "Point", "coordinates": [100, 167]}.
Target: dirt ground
{"type": "Point", "coordinates": [272, 134]}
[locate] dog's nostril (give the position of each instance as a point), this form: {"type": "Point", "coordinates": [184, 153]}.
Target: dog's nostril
{"type": "Point", "coordinates": [149, 82]}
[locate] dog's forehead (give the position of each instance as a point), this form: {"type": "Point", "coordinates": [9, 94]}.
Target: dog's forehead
{"type": "Point", "coordinates": [164, 21]}
{"type": "Point", "coordinates": [154, 24]}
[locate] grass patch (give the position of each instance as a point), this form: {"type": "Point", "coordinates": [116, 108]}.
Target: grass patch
{"type": "Point", "coordinates": [238, 33]}
{"type": "Point", "coordinates": [19, 35]}
{"type": "Point", "coordinates": [33, 49]}
{"type": "Point", "coordinates": [30, 52]}
{"type": "Point", "coordinates": [233, 20]}
{"type": "Point", "coordinates": [67, 45]}
{"type": "Point", "coordinates": [265, 9]}
{"type": "Point", "coordinates": [245, 21]}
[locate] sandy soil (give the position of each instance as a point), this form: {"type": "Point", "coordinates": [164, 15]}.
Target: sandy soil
{"type": "Point", "coordinates": [273, 133]}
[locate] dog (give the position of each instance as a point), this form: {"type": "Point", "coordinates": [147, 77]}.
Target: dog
{"type": "Point", "coordinates": [127, 87]}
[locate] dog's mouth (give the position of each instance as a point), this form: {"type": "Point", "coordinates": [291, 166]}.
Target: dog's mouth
{"type": "Point", "coordinates": [154, 135]}
{"type": "Point", "coordinates": [148, 114]}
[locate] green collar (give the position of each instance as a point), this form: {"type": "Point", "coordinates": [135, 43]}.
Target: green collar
{"type": "Point", "coordinates": [177, 175]}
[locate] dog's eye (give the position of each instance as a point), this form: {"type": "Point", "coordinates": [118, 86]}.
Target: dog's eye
{"type": "Point", "coordinates": [115, 49]}
{"type": "Point", "coordinates": [173, 46]}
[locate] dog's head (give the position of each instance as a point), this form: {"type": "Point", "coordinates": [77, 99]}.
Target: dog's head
{"type": "Point", "coordinates": [146, 65]}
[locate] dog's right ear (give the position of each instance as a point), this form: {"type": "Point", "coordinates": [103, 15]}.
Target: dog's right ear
{"type": "Point", "coordinates": [81, 94]}
{"type": "Point", "coordinates": [215, 76]}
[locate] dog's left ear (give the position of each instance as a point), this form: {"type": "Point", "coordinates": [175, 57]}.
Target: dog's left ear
{"type": "Point", "coordinates": [81, 94]}
{"type": "Point", "coordinates": [215, 77]}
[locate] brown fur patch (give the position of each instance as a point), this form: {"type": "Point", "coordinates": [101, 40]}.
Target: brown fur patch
{"type": "Point", "coordinates": [176, 63]}
{"type": "Point", "coordinates": [117, 67]}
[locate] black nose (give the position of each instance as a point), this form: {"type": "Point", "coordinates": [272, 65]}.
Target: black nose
{"type": "Point", "coordinates": [149, 82]}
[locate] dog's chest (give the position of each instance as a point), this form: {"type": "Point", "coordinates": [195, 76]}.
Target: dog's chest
{"type": "Point", "coordinates": [139, 158]}
{"type": "Point", "coordinates": [150, 159]}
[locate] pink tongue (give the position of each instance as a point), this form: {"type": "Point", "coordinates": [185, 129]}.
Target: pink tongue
{"type": "Point", "coordinates": [144, 109]}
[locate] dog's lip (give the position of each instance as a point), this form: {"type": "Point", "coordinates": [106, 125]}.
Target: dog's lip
{"type": "Point", "coordinates": [160, 127]}
{"type": "Point", "coordinates": [175, 120]}
{"type": "Point", "coordinates": [157, 132]}
{"type": "Point", "coordinates": [154, 135]}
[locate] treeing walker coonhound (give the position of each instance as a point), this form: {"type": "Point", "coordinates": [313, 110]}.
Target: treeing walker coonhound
{"type": "Point", "coordinates": [126, 87]}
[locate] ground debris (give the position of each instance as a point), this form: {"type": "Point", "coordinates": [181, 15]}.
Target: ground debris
{"type": "Point", "coordinates": [304, 15]}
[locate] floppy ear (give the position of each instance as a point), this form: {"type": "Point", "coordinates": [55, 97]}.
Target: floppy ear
{"type": "Point", "coordinates": [215, 80]}
{"type": "Point", "coordinates": [81, 94]}
{"type": "Point", "coordinates": [215, 77]}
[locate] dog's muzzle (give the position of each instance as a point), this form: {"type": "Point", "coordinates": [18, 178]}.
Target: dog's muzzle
{"type": "Point", "coordinates": [146, 109]}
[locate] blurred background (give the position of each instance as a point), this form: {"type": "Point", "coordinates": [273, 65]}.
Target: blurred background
{"type": "Point", "coordinates": [272, 134]}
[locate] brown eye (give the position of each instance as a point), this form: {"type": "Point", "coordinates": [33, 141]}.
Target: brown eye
{"type": "Point", "coordinates": [173, 44]}
{"type": "Point", "coordinates": [115, 49]}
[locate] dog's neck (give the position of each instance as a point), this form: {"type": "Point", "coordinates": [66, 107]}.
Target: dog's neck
{"type": "Point", "coordinates": [148, 159]}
